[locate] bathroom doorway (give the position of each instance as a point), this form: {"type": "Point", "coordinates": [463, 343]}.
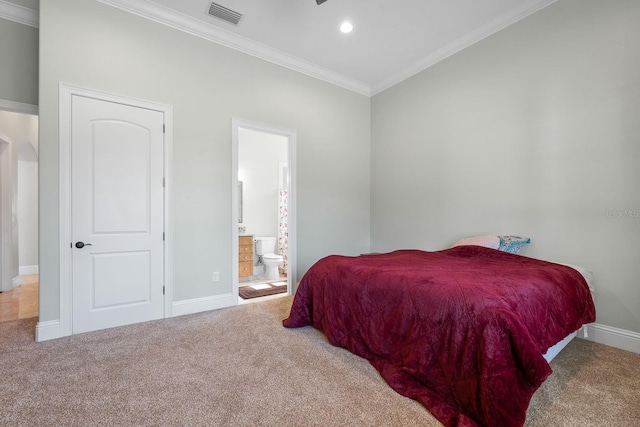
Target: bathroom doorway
{"type": "Point", "coordinates": [263, 211]}
{"type": "Point", "coordinates": [19, 284]}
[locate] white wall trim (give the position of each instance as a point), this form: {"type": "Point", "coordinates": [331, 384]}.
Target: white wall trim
{"type": "Point", "coordinates": [18, 107]}
{"type": "Point", "coordinates": [29, 269]}
{"type": "Point", "coordinates": [197, 305]}
{"type": "Point", "coordinates": [168, 210]}
{"type": "Point", "coordinates": [49, 330]}
{"type": "Point", "coordinates": [179, 21]}
{"type": "Point", "coordinates": [513, 16]}
{"type": "Point", "coordinates": [54, 329]}
{"type": "Point", "coordinates": [66, 92]}
{"type": "Point", "coordinates": [7, 281]}
{"type": "Point", "coordinates": [20, 14]}
{"type": "Point", "coordinates": [614, 337]}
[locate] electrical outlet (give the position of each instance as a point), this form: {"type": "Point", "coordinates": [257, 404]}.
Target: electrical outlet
{"type": "Point", "coordinates": [216, 276]}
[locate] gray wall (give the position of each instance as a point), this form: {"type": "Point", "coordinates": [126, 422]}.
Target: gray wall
{"type": "Point", "coordinates": [101, 48]}
{"type": "Point", "coordinates": [18, 62]}
{"type": "Point", "coordinates": [258, 157]}
{"type": "Point", "coordinates": [533, 131]}
{"type": "Point", "coordinates": [27, 205]}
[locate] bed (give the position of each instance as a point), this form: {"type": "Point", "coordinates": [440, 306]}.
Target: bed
{"type": "Point", "coordinates": [463, 330]}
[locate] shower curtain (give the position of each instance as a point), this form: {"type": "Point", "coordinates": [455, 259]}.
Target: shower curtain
{"type": "Point", "coordinates": [283, 229]}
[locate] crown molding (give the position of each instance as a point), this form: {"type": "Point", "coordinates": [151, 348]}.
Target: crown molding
{"type": "Point", "coordinates": [467, 40]}
{"type": "Point", "coordinates": [20, 14]}
{"type": "Point", "coordinates": [18, 107]}
{"type": "Point", "coordinates": [179, 21]}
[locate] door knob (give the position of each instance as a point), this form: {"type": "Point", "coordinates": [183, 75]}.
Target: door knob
{"type": "Point", "coordinates": [81, 245]}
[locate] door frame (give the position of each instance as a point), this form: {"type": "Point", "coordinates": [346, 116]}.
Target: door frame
{"type": "Point", "coordinates": [6, 200]}
{"type": "Point", "coordinates": [66, 93]}
{"type": "Point", "coordinates": [291, 136]}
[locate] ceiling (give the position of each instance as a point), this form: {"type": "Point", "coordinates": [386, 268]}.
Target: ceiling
{"type": "Point", "coordinates": [391, 40]}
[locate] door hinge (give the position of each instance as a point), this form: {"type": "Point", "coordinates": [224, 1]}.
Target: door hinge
{"type": "Point", "coordinates": [163, 235]}
{"type": "Point", "coordinates": [162, 289]}
{"type": "Point", "coordinates": [163, 182]}
{"type": "Point", "coordinates": [164, 130]}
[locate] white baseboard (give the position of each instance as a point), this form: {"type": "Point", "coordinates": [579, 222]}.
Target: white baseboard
{"type": "Point", "coordinates": [197, 305]}
{"type": "Point", "coordinates": [52, 329]}
{"type": "Point", "coordinates": [614, 337]}
{"type": "Point", "coordinates": [48, 330]}
{"type": "Point", "coordinates": [28, 269]}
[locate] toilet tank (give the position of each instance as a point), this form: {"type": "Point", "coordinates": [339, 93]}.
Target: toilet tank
{"type": "Point", "coordinates": [265, 245]}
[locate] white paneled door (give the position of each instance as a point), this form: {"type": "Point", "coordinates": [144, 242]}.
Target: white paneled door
{"type": "Point", "coordinates": [117, 214]}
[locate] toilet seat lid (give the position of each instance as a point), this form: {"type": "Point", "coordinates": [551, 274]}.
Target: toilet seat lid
{"type": "Point", "coordinates": [271, 256]}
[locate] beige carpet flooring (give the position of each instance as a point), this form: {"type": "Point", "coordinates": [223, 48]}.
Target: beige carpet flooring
{"type": "Point", "coordinates": [240, 367]}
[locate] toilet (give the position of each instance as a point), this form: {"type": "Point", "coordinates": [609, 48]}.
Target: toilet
{"type": "Point", "coordinates": [265, 248]}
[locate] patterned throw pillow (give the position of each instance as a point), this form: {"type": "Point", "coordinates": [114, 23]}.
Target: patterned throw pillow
{"type": "Point", "coordinates": [512, 244]}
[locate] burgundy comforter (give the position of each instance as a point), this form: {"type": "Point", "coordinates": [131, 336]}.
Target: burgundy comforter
{"type": "Point", "coordinates": [461, 330]}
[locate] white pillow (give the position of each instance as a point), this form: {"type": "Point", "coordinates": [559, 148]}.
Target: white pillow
{"type": "Point", "coordinates": [492, 242]}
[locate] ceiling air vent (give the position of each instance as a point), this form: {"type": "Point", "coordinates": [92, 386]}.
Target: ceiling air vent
{"type": "Point", "coordinates": [221, 12]}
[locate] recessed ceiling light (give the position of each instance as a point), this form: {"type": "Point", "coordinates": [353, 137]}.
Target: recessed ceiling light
{"type": "Point", "coordinates": [346, 27]}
